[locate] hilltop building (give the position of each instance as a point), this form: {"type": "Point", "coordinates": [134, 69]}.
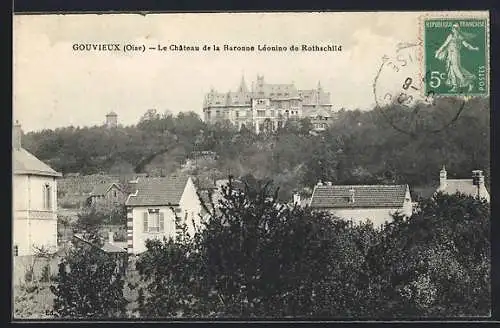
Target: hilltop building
{"type": "Point", "coordinates": [111, 120]}
{"type": "Point", "coordinates": [267, 107]}
{"type": "Point", "coordinates": [35, 200]}
{"type": "Point", "coordinates": [474, 187]}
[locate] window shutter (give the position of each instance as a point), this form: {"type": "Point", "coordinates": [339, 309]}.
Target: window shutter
{"type": "Point", "coordinates": [44, 197]}
{"type": "Point", "coordinates": [145, 218]}
{"type": "Point", "coordinates": [162, 222]}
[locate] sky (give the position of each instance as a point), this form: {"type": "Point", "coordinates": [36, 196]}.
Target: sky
{"type": "Point", "coordinates": [55, 86]}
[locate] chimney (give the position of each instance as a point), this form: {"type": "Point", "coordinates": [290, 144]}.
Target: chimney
{"type": "Point", "coordinates": [111, 238]}
{"type": "Point", "coordinates": [478, 181]}
{"type": "Point", "coordinates": [296, 199]}
{"type": "Point", "coordinates": [320, 183]}
{"type": "Point", "coordinates": [477, 178]}
{"type": "Point", "coordinates": [16, 136]}
{"type": "Point", "coordinates": [442, 178]}
{"type": "Point", "coordinates": [351, 195]}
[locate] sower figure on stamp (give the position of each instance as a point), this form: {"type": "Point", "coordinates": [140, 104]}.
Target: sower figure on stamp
{"type": "Point", "coordinates": [457, 75]}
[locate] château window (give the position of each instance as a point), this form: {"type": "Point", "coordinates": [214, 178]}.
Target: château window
{"type": "Point", "coordinates": [261, 113]}
{"type": "Point", "coordinates": [237, 114]}
{"type": "Point", "coordinates": [154, 221]}
{"type": "Point", "coordinates": [272, 113]}
{"type": "Point", "coordinates": [47, 197]}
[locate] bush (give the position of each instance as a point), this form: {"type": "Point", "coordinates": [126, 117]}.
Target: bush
{"type": "Point", "coordinates": [45, 277]}
{"type": "Point", "coordinates": [257, 258]}
{"type": "Point", "coordinates": [89, 285]}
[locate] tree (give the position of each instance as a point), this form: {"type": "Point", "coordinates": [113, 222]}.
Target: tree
{"type": "Point", "coordinates": [89, 222]}
{"type": "Point", "coordinates": [256, 258]}
{"type": "Point", "coordinates": [434, 264]}
{"type": "Point", "coordinates": [89, 285]}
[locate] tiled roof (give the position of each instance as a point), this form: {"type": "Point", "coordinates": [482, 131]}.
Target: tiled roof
{"type": "Point", "coordinates": [464, 186]}
{"type": "Point", "coordinates": [102, 188]}
{"type": "Point", "coordinates": [26, 163]}
{"type": "Point", "coordinates": [365, 196]}
{"type": "Point", "coordinates": [114, 248]}
{"type": "Point", "coordinates": [319, 111]}
{"type": "Point", "coordinates": [117, 247]}
{"type": "Point", "coordinates": [158, 191]}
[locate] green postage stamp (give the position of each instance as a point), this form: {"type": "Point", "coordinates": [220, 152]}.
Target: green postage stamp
{"type": "Point", "coordinates": [456, 56]}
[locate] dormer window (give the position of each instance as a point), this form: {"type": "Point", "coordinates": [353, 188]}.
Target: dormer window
{"type": "Point", "coordinates": [47, 197]}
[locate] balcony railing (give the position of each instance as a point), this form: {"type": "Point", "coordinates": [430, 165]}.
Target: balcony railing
{"type": "Point", "coordinates": [34, 214]}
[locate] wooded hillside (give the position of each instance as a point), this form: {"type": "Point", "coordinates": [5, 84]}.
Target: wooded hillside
{"type": "Point", "coordinates": [360, 147]}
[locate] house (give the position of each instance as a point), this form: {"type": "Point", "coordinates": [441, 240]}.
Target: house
{"type": "Point", "coordinates": [107, 194]}
{"type": "Point", "coordinates": [474, 186]}
{"type": "Point", "coordinates": [116, 251]}
{"type": "Point", "coordinates": [321, 119]}
{"type": "Point", "coordinates": [35, 200]}
{"type": "Point", "coordinates": [154, 207]}
{"type": "Point", "coordinates": [361, 202]}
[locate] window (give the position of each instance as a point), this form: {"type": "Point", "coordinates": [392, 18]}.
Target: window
{"type": "Point", "coordinates": [16, 250]}
{"type": "Point", "coordinates": [154, 221]}
{"type": "Point", "coordinates": [237, 114]}
{"type": "Point", "coordinates": [272, 113]}
{"type": "Point", "coordinates": [114, 193]}
{"type": "Point", "coordinates": [47, 197]}
{"type": "Point", "coordinates": [261, 113]}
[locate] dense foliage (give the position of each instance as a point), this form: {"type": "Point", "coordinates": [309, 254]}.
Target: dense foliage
{"type": "Point", "coordinates": [360, 147]}
{"type": "Point", "coordinates": [89, 286]}
{"type": "Point", "coordinates": [256, 258]}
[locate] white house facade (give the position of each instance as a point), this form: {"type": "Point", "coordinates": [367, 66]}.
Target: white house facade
{"type": "Point", "coordinates": [474, 186]}
{"type": "Point", "coordinates": [377, 203]}
{"type": "Point", "coordinates": [34, 201]}
{"type": "Point", "coordinates": [154, 207]}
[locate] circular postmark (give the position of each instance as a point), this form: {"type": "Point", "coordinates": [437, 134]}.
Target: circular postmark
{"type": "Point", "coordinates": [400, 97]}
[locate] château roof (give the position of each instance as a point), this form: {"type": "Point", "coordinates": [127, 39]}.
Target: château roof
{"type": "Point", "coordinates": [365, 196]}
{"type": "Point", "coordinates": [111, 114]}
{"type": "Point", "coordinates": [26, 163]}
{"type": "Point", "coordinates": [282, 91]}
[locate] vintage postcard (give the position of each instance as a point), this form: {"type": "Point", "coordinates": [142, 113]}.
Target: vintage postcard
{"type": "Point", "coordinates": [319, 165]}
